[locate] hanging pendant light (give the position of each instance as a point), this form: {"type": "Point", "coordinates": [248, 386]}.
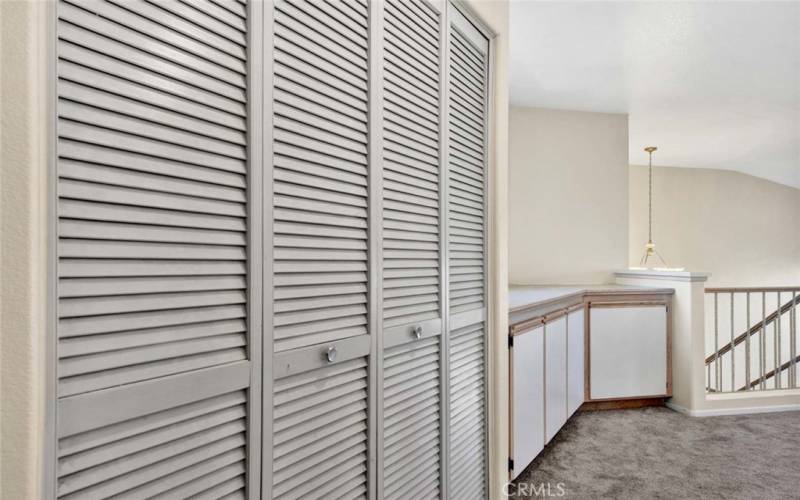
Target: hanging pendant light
{"type": "Point", "coordinates": [650, 247]}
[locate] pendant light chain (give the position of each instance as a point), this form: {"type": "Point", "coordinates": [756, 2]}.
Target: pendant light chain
{"type": "Point", "coordinates": [650, 247]}
{"type": "Point", "coordinates": [650, 200]}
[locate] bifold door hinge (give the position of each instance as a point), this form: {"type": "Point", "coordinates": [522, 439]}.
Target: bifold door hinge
{"type": "Point", "coordinates": [510, 464]}
{"type": "Point", "coordinates": [510, 341]}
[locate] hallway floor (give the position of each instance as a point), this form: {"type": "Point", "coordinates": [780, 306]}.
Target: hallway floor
{"type": "Point", "coordinates": [657, 453]}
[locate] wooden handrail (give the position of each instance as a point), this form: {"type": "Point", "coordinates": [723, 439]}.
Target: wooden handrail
{"type": "Point", "coordinates": [754, 289]}
{"type": "Point", "coordinates": [771, 373]}
{"type": "Point", "coordinates": [756, 327]}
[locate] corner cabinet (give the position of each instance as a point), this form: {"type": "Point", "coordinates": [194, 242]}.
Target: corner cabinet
{"type": "Point", "coordinates": [269, 249]}
{"type": "Point", "coordinates": [629, 351]}
{"type": "Point", "coordinates": [573, 349]}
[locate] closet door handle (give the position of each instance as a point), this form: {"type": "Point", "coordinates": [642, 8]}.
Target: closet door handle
{"type": "Point", "coordinates": [417, 331]}
{"type": "Point", "coordinates": [331, 354]}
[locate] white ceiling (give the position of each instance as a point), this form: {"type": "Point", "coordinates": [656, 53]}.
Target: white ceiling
{"type": "Point", "coordinates": [712, 84]}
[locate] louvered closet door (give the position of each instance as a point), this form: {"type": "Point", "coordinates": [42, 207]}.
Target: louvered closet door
{"type": "Point", "coordinates": [467, 113]}
{"type": "Point", "coordinates": [153, 346]}
{"type": "Point", "coordinates": [412, 277]}
{"type": "Point", "coordinates": [320, 273]}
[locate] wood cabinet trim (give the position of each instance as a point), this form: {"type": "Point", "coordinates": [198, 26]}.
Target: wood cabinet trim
{"type": "Point", "coordinates": [573, 298]}
{"type": "Point", "coordinates": [640, 303]}
{"type": "Point", "coordinates": [526, 326]}
{"type": "Point", "coordinates": [666, 302]}
{"type": "Point", "coordinates": [621, 404]}
{"type": "Point", "coordinates": [587, 358]}
{"type": "Point", "coordinates": [510, 409]}
{"type": "Point", "coordinates": [550, 317]}
{"type": "Point", "coordinates": [573, 301]}
{"type": "Point", "coordinates": [580, 296]}
{"type": "Point", "coordinates": [576, 307]}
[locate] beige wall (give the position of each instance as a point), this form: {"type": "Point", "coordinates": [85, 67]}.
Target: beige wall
{"type": "Point", "coordinates": [568, 196]}
{"type": "Point", "coordinates": [23, 208]}
{"type": "Point", "coordinates": [495, 14]}
{"type": "Point", "coordinates": [744, 230]}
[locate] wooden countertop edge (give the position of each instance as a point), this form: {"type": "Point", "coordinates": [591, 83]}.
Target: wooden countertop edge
{"type": "Point", "coordinates": [581, 294]}
{"type": "Point", "coordinates": [554, 300]}
{"type": "Point", "coordinates": [567, 303]}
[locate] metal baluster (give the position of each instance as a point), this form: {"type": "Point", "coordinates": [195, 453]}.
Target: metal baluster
{"type": "Point", "coordinates": [793, 340]}
{"type": "Point", "coordinates": [708, 378]}
{"type": "Point", "coordinates": [733, 351]}
{"type": "Point", "coordinates": [762, 340]}
{"type": "Point", "coordinates": [747, 348]}
{"type": "Point", "coordinates": [776, 335]}
{"type": "Point", "coordinates": [717, 374]}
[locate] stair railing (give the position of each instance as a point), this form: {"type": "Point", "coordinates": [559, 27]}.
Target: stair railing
{"type": "Point", "coordinates": [774, 340]}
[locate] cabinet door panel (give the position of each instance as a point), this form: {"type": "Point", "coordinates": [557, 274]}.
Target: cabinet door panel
{"type": "Point", "coordinates": [465, 247]}
{"type": "Point", "coordinates": [527, 392]}
{"type": "Point", "coordinates": [555, 340]}
{"type": "Point", "coordinates": [319, 219]}
{"type": "Point", "coordinates": [320, 431]}
{"type": "Point", "coordinates": [575, 361]}
{"type": "Point", "coordinates": [320, 180]}
{"type": "Point", "coordinates": [411, 165]}
{"type": "Point", "coordinates": [411, 267]}
{"type": "Point", "coordinates": [628, 347]}
{"type": "Point", "coordinates": [157, 332]}
{"type": "Point", "coordinates": [468, 442]}
{"type": "Point", "coordinates": [411, 419]}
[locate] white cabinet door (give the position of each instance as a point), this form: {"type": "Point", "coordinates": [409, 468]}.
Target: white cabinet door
{"type": "Point", "coordinates": [527, 386]}
{"type": "Point", "coordinates": [555, 340]}
{"type": "Point", "coordinates": [575, 361]}
{"type": "Point", "coordinates": [628, 351]}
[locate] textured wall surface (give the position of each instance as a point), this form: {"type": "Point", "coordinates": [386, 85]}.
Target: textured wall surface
{"type": "Point", "coordinates": [495, 15]}
{"type": "Point", "coordinates": [23, 277]}
{"type": "Point", "coordinates": [568, 196]}
{"type": "Point", "coordinates": [744, 230]}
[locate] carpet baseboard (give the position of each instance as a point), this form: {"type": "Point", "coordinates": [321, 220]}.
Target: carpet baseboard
{"type": "Point", "coordinates": [719, 412]}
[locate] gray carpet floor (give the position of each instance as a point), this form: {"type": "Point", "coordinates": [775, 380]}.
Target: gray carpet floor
{"type": "Point", "coordinates": [655, 453]}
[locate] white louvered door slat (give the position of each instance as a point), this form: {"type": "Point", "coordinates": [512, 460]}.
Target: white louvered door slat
{"type": "Point", "coordinates": [320, 277]}
{"type": "Point", "coordinates": [468, 438]}
{"type": "Point", "coordinates": [412, 275]}
{"type": "Point", "coordinates": [364, 257]}
{"type": "Point", "coordinates": [411, 156]}
{"type": "Point", "coordinates": [153, 363]}
{"type": "Point", "coordinates": [411, 436]}
{"type": "Point", "coordinates": [320, 431]}
{"type": "Point", "coordinates": [320, 176]}
{"type": "Point", "coordinates": [467, 122]}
